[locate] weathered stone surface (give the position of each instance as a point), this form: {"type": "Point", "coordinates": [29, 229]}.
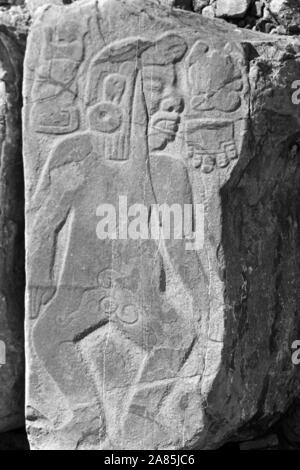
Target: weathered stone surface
{"type": "Point", "coordinates": [11, 240]}
{"type": "Point", "coordinates": [16, 22]}
{"type": "Point", "coordinates": [287, 14]}
{"type": "Point", "coordinates": [198, 5]}
{"type": "Point", "coordinates": [232, 8]}
{"type": "Point", "coordinates": [33, 5]}
{"type": "Point", "coordinates": [143, 344]}
{"type": "Point", "coordinates": [209, 11]}
{"type": "Point", "coordinates": [277, 5]}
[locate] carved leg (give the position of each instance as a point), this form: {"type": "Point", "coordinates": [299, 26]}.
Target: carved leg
{"type": "Point", "coordinates": [60, 354]}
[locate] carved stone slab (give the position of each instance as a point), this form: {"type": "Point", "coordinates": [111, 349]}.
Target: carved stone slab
{"type": "Point", "coordinates": [11, 239]}
{"type": "Point", "coordinates": [142, 343]}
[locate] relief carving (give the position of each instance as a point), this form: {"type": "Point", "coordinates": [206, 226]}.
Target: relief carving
{"type": "Point", "coordinates": [128, 312]}
{"type": "Point", "coordinates": [128, 100]}
{"type": "Point", "coordinates": [54, 90]}
{"type": "Point", "coordinates": [216, 84]}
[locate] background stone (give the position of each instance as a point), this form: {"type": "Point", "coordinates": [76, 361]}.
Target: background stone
{"type": "Point", "coordinates": [11, 238]}
{"type": "Point", "coordinates": [232, 8]}
{"type": "Point", "coordinates": [287, 13]}
{"type": "Point", "coordinates": [14, 440]}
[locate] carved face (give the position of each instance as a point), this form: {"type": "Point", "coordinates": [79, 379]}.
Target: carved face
{"type": "Point", "coordinates": [214, 79]}
{"type": "Point", "coordinates": [164, 105]}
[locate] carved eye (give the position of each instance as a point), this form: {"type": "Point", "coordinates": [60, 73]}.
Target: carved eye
{"type": "Point", "coordinates": [105, 117]}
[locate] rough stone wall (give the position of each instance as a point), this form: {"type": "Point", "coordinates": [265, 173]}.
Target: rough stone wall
{"type": "Point", "coordinates": [269, 16]}
{"type": "Point", "coordinates": [11, 238]}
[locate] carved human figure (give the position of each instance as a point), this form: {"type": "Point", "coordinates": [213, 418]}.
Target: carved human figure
{"type": "Point", "coordinates": [129, 290]}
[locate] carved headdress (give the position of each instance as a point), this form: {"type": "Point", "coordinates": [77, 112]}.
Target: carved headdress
{"type": "Point", "coordinates": [113, 83]}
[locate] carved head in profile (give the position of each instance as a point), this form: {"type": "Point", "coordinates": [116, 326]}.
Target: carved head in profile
{"type": "Point", "coordinates": [111, 95]}
{"type": "Point", "coordinates": [163, 99]}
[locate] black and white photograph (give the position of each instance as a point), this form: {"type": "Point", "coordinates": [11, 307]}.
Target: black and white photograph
{"type": "Point", "coordinates": [150, 228]}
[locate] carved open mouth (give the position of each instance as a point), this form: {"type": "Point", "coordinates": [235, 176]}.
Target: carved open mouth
{"type": "Point", "coordinates": [166, 123]}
